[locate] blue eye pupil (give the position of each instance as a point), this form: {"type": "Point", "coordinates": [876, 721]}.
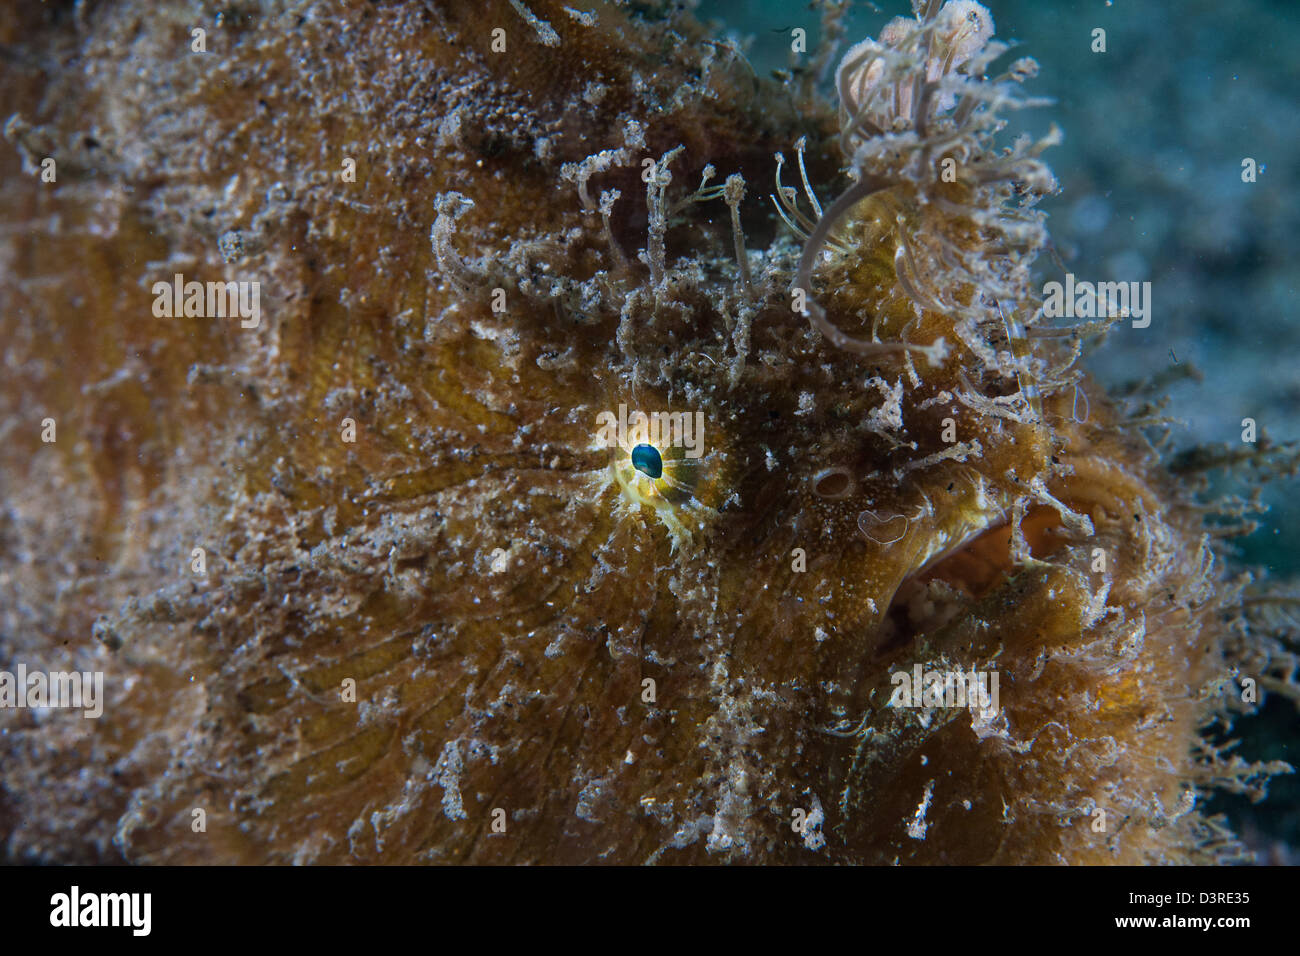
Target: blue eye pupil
{"type": "Point", "coordinates": [645, 459]}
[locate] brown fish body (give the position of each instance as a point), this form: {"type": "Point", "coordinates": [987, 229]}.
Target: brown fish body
{"type": "Point", "coordinates": [438, 619]}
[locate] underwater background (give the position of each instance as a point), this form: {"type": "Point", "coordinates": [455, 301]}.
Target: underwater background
{"type": "Point", "coordinates": [1155, 133]}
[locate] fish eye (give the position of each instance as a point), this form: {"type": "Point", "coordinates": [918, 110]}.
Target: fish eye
{"type": "Point", "coordinates": [647, 460]}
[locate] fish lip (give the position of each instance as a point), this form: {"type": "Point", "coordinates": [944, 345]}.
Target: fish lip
{"type": "Point", "coordinates": [990, 521]}
{"type": "Point", "coordinates": [987, 515]}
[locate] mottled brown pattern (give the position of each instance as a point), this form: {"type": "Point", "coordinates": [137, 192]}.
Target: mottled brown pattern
{"type": "Point", "coordinates": [522, 689]}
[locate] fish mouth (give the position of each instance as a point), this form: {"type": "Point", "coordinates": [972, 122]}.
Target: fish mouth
{"type": "Point", "coordinates": [954, 579]}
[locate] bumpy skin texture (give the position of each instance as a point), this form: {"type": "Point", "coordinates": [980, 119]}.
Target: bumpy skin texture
{"type": "Point", "coordinates": [514, 679]}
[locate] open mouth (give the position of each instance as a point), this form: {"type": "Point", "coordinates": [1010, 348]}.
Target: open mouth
{"type": "Point", "coordinates": [954, 582]}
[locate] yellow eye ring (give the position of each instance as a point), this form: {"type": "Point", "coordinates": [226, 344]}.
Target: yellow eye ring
{"type": "Point", "coordinates": [679, 481]}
